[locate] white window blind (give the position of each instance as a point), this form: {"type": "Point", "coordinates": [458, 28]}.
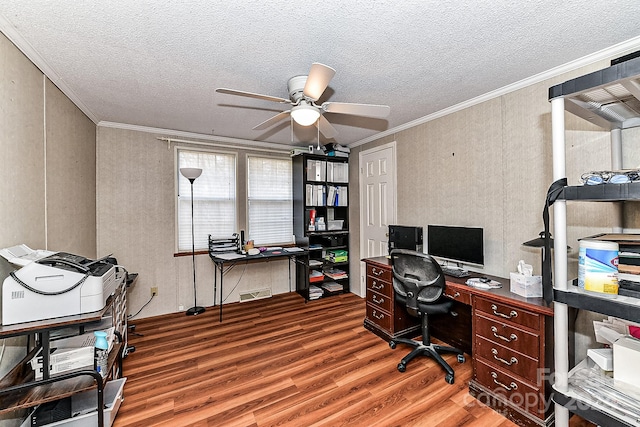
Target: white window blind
{"type": "Point", "coordinates": [270, 205]}
{"type": "Point", "coordinates": [214, 197]}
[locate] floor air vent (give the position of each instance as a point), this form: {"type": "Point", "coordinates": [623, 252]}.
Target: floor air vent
{"type": "Point", "coordinates": [255, 294]}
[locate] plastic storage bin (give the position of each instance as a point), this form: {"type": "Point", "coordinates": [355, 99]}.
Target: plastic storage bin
{"type": "Point", "coordinates": [85, 407]}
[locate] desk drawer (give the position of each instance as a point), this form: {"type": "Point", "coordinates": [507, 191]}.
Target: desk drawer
{"type": "Point", "coordinates": [457, 295]}
{"type": "Point", "coordinates": [379, 273]}
{"type": "Point", "coordinates": [379, 317]}
{"type": "Point", "coordinates": [512, 389]}
{"type": "Point", "coordinates": [380, 286]}
{"type": "Point", "coordinates": [508, 313]}
{"type": "Point", "coordinates": [379, 300]}
{"type": "Point", "coordinates": [507, 359]}
{"type": "Point", "coordinates": [508, 336]}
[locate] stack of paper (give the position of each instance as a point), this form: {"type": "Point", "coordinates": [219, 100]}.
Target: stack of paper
{"type": "Point", "coordinates": [315, 292]}
{"type": "Point", "coordinates": [629, 263]}
{"type": "Point", "coordinates": [70, 353]}
{"type": "Point", "coordinates": [332, 286]}
{"type": "Point", "coordinates": [316, 276]}
{"type": "Point", "coordinates": [336, 274]}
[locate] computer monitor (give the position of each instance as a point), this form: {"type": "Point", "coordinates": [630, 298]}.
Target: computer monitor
{"type": "Point", "coordinates": [405, 237]}
{"type": "Point", "coordinates": [462, 245]}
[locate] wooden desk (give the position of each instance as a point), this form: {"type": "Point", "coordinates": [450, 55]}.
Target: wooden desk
{"type": "Point", "coordinates": [509, 337]}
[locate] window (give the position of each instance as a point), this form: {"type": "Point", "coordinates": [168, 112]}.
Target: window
{"type": "Point", "coordinates": [214, 198]}
{"type": "Point", "coordinates": [270, 208]}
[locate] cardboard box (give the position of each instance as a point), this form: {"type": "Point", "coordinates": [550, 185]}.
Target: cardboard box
{"type": "Point", "coordinates": [526, 286]}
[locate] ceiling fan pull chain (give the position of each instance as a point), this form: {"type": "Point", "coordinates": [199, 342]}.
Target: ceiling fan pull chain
{"type": "Point", "coordinates": [318, 128]}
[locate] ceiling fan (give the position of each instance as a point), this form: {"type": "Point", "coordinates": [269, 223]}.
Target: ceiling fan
{"type": "Point", "coordinates": [304, 91]}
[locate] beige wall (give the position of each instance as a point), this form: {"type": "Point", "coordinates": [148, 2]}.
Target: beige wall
{"type": "Point", "coordinates": [490, 165]}
{"type": "Point", "coordinates": [47, 171]}
{"type": "Point", "coordinates": [136, 223]}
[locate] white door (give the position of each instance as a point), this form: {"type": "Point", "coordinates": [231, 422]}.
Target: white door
{"type": "Point", "coordinates": [377, 202]}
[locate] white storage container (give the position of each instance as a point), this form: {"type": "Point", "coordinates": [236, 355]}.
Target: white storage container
{"type": "Point", "coordinates": [335, 224]}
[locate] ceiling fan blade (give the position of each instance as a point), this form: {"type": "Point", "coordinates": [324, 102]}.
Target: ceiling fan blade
{"type": "Point", "coordinates": [366, 110]}
{"type": "Point", "coordinates": [253, 95]}
{"type": "Point", "coordinates": [325, 128]}
{"type": "Point", "coordinates": [272, 121]}
{"type": "Point", "coordinates": [319, 77]}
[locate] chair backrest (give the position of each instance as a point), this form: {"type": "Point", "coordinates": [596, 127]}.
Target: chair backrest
{"type": "Point", "coordinates": [417, 277]}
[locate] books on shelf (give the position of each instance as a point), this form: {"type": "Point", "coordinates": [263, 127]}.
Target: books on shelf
{"type": "Point", "coordinates": [316, 170]}
{"type": "Point", "coordinates": [337, 195]}
{"type": "Point", "coordinates": [332, 286]}
{"type": "Point", "coordinates": [315, 195]}
{"type": "Point", "coordinates": [336, 274]}
{"type": "Point", "coordinates": [337, 172]}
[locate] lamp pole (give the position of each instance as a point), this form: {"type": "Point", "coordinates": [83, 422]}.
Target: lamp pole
{"type": "Point", "coordinates": [191, 174]}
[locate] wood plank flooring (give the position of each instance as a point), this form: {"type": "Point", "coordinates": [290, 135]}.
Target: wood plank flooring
{"type": "Point", "coordinates": [281, 362]}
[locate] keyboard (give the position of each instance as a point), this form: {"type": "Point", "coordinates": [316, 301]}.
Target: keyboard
{"type": "Point", "coordinates": [454, 272]}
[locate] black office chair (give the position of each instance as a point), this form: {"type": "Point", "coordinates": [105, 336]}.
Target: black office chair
{"type": "Point", "coordinates": [418, 283]}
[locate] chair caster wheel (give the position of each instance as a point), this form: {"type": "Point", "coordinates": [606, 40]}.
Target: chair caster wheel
{"type": "Point", "coordinates": [392, 344]}
{"type": "Point", "coordinates": [461, 358]}
{"type": "Point", "coordinates": [402, 367]}
{"type": "Point", "coordinates": [449, 378]}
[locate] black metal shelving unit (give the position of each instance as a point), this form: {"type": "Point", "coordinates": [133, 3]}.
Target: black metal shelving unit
{"type": "Point", "coordinates": [610, 99]}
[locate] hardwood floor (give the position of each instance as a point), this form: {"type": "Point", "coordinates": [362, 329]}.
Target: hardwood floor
{"type": "Point", "coordinates": [281, 362]}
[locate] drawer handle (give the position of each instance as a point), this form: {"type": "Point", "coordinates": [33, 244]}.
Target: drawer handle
{"type": "Point", "coordinates": [377, 272]}
{"type": "Point", "coordinates": [454, 296]}
{"type": "Point", "coordinates": [374, 299]}
{"type": "Point", "coordinates": [512, 386]}
{"type": "Point", "coordinates": [511, 315]}
{"type": "Point", "coordinates": [380, 317]}
{"type": "Point", "coordinates": [510, 362]}
{"type": "Point", "coordinates": [512, 337]}
{"type": "Point", "coordinates": [375, 286]}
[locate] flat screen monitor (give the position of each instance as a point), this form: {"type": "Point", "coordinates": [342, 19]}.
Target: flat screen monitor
{"type": "Point", "coordinates": [405, 237]}
{"type": "Point", "coordinates": [463, 245]}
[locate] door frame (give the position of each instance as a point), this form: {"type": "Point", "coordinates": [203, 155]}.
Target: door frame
{"type": "Point", "coordinates": [361, 189]}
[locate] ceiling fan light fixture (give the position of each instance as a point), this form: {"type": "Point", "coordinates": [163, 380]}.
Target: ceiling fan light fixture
{"type": "Point", "coordinates": [305, 114]}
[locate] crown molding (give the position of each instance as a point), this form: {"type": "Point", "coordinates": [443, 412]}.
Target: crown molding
{"type": "Point", "coordinates": [25, 47]}
{"type": "Point", "coordinates": [617, 50]}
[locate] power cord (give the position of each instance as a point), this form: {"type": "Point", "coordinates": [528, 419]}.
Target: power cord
{"type": "Point", "coordinates": [237, 283]}
{"type": "Point", "coordinates": [131, 316]}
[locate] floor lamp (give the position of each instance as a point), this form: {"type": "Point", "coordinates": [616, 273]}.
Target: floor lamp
{"type": "Point", "coordinates": [191, 174]}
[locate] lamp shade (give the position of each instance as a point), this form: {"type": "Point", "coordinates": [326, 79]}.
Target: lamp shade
{"type": "Point", "coordinates": [305, 114]}
{"type": "Point", "coordinates": [191, 173]}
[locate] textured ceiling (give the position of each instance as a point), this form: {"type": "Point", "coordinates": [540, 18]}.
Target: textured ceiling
{"type": "Point", "coordinates": [157, 64]}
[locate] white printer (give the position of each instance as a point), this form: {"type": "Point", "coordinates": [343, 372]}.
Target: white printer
{"type": "Point", "coordinates": [58, 285]}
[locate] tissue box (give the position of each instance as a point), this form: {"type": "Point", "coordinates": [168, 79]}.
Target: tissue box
{"type": "Point", "coordinates": [526, 286]}
{"type": "Point", "coordinates": [626, 359]}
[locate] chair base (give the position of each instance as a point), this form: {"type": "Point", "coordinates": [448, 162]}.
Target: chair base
{"type": "Point", "coordinates": [430, 350]}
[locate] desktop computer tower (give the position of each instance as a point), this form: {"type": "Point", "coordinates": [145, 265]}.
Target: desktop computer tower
{"type": "Point", "coordinates": [405, 237]}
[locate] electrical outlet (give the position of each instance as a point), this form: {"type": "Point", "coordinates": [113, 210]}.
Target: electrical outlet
{"type": "Point", "coordinates": [154, 291]}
